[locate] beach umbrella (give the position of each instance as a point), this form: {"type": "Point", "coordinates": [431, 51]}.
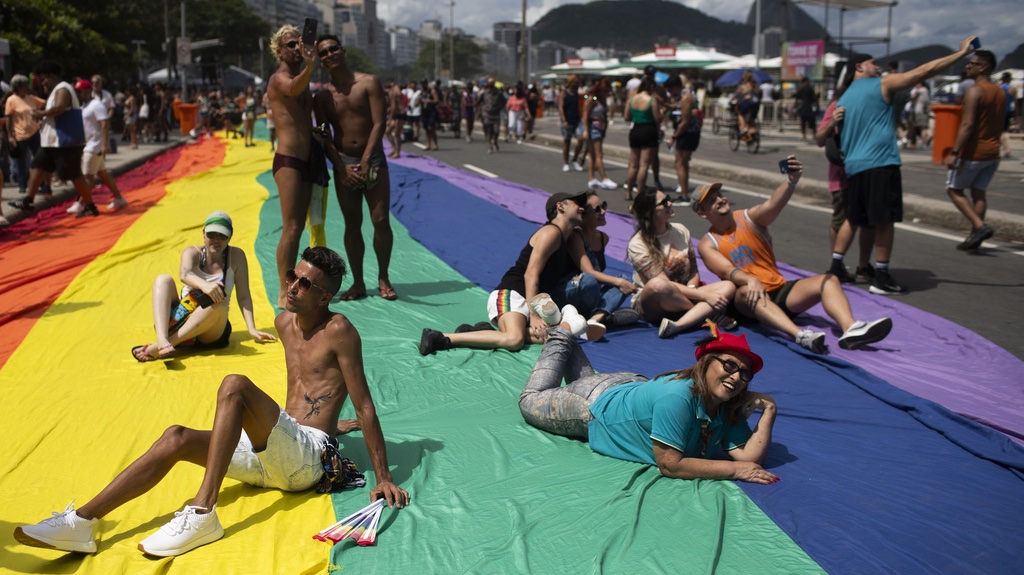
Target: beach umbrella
{"type": "Point", "coordinates": [732, 77]}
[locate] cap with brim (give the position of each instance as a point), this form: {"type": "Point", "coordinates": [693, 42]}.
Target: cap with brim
{"type": "Point", "coordinates": [551, 208]}
{"type": "Point", "coordinates": [851, 68]}
{"type": "Point", "coordinates": [702, 193]}
{"type": "Point", "coordinates": [734, 344]}
{"type": "Point", "coordinates": [83, 85]}
{"type": "Point", "coordinates": [219, 222]}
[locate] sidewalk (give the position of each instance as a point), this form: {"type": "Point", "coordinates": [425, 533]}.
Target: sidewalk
{"type": "Point", "coordinates": [125, 160]}
{"type": "Point", "coordinates": [938, 212]}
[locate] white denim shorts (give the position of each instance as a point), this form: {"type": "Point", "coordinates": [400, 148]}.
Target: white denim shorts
{"type": "Point", "coordinates": [502, 301]}
{"type": "Point", "coordinates": [291, 461]}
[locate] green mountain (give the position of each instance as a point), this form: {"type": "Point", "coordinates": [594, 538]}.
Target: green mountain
{"type": "Point", "coordinates": [639, 25]}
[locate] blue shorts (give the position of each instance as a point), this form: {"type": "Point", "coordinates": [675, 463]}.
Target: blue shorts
{"type": "Point", "coordinates": [975, 175]}
{"type": "Point", "coordinates": [574, 130]}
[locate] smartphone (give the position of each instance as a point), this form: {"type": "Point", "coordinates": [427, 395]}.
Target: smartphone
{"type": "Point", "coordinates": [309, 32]}
{"type": "Point", "coordinates": [976, 43]}
{"type": "Point", "coordinates": [784, 166]}
{"type": "Point", "coordinates": [203, 299]}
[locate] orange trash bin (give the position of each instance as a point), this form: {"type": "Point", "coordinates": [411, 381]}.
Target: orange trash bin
{"type": "Point", "coordinates": [188, 115]}
{"type": "Point", "coordinates": [947, 122]}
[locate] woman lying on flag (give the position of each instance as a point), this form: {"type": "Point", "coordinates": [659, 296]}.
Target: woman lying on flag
{"type": "Point", "coordinates": [675, 421]}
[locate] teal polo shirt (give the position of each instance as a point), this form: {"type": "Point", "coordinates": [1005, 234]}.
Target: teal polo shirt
{"type": "Point", "coordinates": [628, 416]}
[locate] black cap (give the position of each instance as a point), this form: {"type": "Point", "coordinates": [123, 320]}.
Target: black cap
{"type": "Point", "coordinates": [551, 208]}
{"type": "Point", "coordinates": [649, 70]}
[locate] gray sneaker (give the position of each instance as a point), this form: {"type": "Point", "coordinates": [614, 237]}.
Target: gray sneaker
{"type": "Point", "coordinates": [812, 340]}
{"type": "Point", "coordinates": [66, 531]}
{"type": "Point", "coordinates": [861, 333]}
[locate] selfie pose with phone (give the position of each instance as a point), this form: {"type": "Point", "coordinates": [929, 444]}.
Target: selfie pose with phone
{"type": "Point", "coordinates": [197, 316]}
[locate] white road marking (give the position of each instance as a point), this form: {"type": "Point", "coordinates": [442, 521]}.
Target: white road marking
{"type": "Point", "coordinates": [480, 171]}
{"type": "Point", "coordinates": [419, 145]}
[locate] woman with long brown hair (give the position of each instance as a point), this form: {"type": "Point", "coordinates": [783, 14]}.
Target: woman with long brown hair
{"type": "Point", "coordinates": [669, 291]}
{"type": "Point", "coordinates": [677, 421]}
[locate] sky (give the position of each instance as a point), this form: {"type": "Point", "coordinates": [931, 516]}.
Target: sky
{"type": "Point", "coordinates": [915, 22]}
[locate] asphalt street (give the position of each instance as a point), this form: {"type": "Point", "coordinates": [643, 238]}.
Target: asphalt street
{"type": "Point", "coordinates": [982, 291]}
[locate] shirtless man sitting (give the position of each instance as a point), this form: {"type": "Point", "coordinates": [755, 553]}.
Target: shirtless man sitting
{"type": "Point", "coordinates": [291, 104]}
{"type": "Point", "coordinates": [253, 439]}
{"type": "Point", "coordinates": [354, 106]}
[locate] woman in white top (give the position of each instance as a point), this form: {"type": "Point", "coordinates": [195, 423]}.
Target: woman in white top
{"type": "Point", "coordinates": [669, 290]}
{"type": "Point", "coordinates": [198, 314]}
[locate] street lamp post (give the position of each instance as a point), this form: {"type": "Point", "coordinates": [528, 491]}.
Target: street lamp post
{"type": "Point", "coordinates": [451, 41]}
{"type": "Point", "coordinates": [523, 47]}
{"type": "Point", "coordinates": [138, 51]}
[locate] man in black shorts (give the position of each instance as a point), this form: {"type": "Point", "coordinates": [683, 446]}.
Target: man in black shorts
{"type": "Point", "coordinates": [60, 151]}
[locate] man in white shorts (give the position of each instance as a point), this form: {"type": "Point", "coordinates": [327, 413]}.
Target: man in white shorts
{"type": "Point", "coordinates": [277, 448]}
{"type": "Point", "coordinates": [95, 118]}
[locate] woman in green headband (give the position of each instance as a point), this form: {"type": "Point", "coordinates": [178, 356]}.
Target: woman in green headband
{"type": "Point", "coordinates": [197, 315]}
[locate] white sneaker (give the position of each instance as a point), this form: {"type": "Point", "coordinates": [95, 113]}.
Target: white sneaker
{"type": "Point", "coordinates": [66, 531]}
{"type": "Point", "coordinates": [117, 204]}
{"type": "Point", "coordinates": [189, 529]}
{"type": "Point", "coordinates": [594, 184]}
{"type": "Point", "coordinates": [679, 189]}
{"type": "Point", "coordinates": [812, 340]}
{"type": "Point", "coordinates": [546, 309]}
{"type": "Point", "coordinates": [577, 166]}
{"type": "Point", "coordinates": [861, 333]}
{"type": "Point", "coordinates": [595, 330]}
{"type": "Point", "coordinates": [577, 323]}
{"type": "Point", "coordinates": [565, 167]}
{"type": "Point", "coordinates": [667, 328]}
{"type": "Point", "coordinates": [608, 184]}
{"type": "Point", "coordinates": [75, 207]}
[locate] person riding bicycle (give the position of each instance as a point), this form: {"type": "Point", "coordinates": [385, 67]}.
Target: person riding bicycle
{"type": "Point", "coordinates": [745, 103]}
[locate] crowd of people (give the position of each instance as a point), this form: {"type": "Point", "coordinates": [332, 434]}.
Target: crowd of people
{"type": "Point", "coordinates": [557, 292]}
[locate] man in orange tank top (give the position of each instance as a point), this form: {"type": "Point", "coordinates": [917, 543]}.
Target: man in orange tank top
{"type": "Point", "coordinates": [738, 248]}
{"type": "Point", "coordinates": [974, 159]}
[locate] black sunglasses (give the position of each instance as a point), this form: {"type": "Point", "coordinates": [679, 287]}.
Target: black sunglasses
{"type": "Point", "coordinates": [732, 367]}
{"type": "Point", "coordinates": [304, 283]}
{"type": "Point", "coordinates": [329, 50]}
{"type": "Point", "coordinates": [667, 202]}
{"type": "Point", "coordinates": [292, 43]}
{"type": "Point", "coordinates": [603, 207]}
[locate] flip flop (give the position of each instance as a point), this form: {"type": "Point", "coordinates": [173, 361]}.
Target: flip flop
{"type": "Point", "coordinates": [141, 355]}
{"type": "Point", "coordinates": [388, 293]}
{"type": "Point", "coordinates": [352, 294]}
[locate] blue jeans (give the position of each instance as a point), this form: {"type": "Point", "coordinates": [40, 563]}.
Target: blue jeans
{"type": "Point", "coordinates": [587, 295]}
{"type": "Point", "coordinates": [548, 406]}
{"type": "Point", "coordinates": [22, 164]}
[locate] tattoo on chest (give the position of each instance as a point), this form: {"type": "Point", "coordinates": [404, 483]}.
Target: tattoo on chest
{"type": "Point", "coordinates": [314, 404]}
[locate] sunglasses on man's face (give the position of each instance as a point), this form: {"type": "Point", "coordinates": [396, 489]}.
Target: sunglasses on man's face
{"type": "Point", "coordinates": [334, 48]}
{"type": "Point", "coordinates": [304, 283]}
{"type": "Point", "coordinates": [291, 44]}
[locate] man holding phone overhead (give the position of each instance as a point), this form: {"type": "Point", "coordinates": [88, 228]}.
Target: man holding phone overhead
{"type": "Point", "coordinates": [291, 104]}
{"type": "Point", "coordinates": [872, 154]}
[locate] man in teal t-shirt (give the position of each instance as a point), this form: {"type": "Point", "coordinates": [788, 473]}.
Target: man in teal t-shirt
{"type": "Point", "coordinates": [875, 193]}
